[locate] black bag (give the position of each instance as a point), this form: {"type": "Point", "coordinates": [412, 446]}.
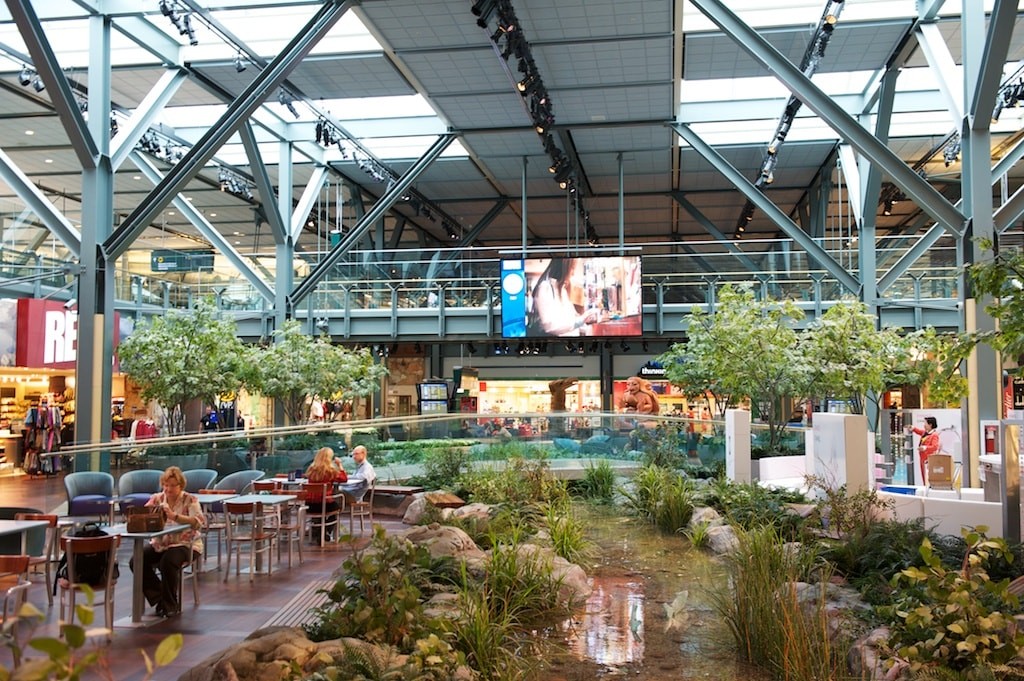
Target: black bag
{"type": "Point", "coordinates": [90, 568]}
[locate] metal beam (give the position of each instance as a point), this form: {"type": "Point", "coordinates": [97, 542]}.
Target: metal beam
{"type": "Point", "coordinates": [708, 226]}
{"type": "Point", "coordinates": [913, 185]}
{"type": "Point", "coordinates": [156, 99]}
{"type": "Point", "coordinates": [144, 34]}
{"type": "Point", "coordinates": [39, 204]}
{"type": "Point", "coordinates": [383, 204]}
{"type": "Point", "coordinates": [983, 84]}
{"type": "Point", "coordinates": [910, 257]}
{"type": "Point", "coordinates": [49, 69]}
{"type": "Point", "coordinates": [251, 98]}
{"type": "Point", "coordinates": [309, 196]}
{"type": "Point", "coordinates": [268, 197]}
{"type": "Point", "coordinates": [208, 231]}
{"type": "Point", "coordinates": [754, 195]}
{"type": "Point", "coordinates": [467, 239]}
{"type": "Point", "coordinates": [1008, 213]}
{"type": "Point", "coordinates": [936, 53]}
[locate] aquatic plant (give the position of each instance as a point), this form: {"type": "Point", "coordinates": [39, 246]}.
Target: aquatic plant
{"type": "Point", "coordinates": [661, 496]}
{"type": "Point", "coordinates": [568, 534]}
{"type": "Point", "coordinates": [598, 483]}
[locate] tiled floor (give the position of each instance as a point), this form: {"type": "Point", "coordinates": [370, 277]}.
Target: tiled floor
{"type": "Point", "coordinates": [229, 611]}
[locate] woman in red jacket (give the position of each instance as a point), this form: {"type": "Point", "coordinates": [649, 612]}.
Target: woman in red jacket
{"type": "Point", "coordinates": [325, 468]}
{"type": "Point", "coordinates": [928, 445]}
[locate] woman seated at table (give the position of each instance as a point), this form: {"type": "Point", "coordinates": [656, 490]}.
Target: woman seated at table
{"type": "Point", "coordinates": [325, 468]}
{"type": "Point", "coordinates": [171, 552]}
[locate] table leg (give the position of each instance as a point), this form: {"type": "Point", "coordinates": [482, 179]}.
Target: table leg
{"type": "Point", "coordinates": [137, 598]}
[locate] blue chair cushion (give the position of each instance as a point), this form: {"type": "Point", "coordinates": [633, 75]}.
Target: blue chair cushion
{"type": "Point", "coordinates": [90, 504]}
{"type": "Point", "coordinates": [135, 500]}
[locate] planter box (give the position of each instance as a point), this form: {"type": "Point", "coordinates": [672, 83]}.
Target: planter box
{"type": "Point", "coordinates": [779, 468]}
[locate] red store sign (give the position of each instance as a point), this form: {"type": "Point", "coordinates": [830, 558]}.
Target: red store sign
{"type": "Point", "coordinates": [47, 335]}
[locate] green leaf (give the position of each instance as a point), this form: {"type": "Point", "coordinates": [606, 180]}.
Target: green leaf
{"type": "Point", "coordinates": [74, 635]}
{"type": "Point", "coordinates": [55, 648]}
{"type": "Point", "coordinates": [168, 649]}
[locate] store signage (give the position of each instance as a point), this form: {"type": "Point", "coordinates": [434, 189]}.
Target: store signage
{"type": "Point", "coordinates": [47, 334]}
{"type": "Point", "coordinates": [652, 370]}
{"type": "Point", "coordinates": [1018, 392]}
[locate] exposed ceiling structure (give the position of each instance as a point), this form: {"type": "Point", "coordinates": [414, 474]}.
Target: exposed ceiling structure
{"type": "Point", "coordinates": [629, 92]}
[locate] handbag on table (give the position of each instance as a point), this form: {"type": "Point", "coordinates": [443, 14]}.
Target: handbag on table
{"type": "Point", "coordinates": [145, 519]}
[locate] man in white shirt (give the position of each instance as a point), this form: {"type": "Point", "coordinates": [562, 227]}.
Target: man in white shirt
{"type": "Point", "coordinates": [364, 475]}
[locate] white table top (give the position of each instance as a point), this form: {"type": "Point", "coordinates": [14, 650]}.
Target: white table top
{"type": "Point", "coordinates": [17, 526]}
{"type": "Point", "coordinates": [265, 499]}
{"type": "Point", "coordinates": [122, 529]}
{"type": "Point", "coordinates": [213, 498]}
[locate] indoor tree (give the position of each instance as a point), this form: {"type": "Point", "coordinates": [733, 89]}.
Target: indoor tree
{"type": "Point", "coordinates": [746, 348]}
{"type": "Point", "coordinates": [1002, 278]}
{"type": "Point", "coordinates": [182, 356]}
{"type": "Point", "coordinates": [296, 366]}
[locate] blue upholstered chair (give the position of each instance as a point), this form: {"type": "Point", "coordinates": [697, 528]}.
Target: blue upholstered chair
{"type": "Point", "coordinates": [136, 487]}
{"type": "Point", "coordinates": [199, 478]}
{"type": "Point", "coordinates": [239, 481]}
{"type": "Point", "coordinates": [89, 493]}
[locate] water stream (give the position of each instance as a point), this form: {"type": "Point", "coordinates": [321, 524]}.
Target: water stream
{"type": "Point", "coordinates": [649, 616]}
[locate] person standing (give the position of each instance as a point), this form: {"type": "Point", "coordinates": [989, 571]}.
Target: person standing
{"type": "Point", "coordinates": [928, 445]}
{"type": "Point", "coordinates": [170, 553]}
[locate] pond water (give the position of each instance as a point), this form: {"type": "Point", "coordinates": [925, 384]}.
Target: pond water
{"type": "Point", "coordinates": [650, 614]}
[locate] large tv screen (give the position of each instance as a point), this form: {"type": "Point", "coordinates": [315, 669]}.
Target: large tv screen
{"type": "Point", "coordinates": [568, 297]}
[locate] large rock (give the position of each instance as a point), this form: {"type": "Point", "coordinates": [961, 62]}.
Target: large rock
{"type": "Point", "coordinates": [444, 540]}
{"type": "Point", "coordinates": [866, 658]}
{"type": "Point", "coordinates": [722, 539]}
{"type": "Point", "coordinates": [575, 587]}
{"type": "Point", "coordinates": [705, 515]}
{"type": "Point", "coordinates": [481, 513]}
{"type": "Point", "coordinates": [414, 512]}
{"type": "Point", "coordinates": [267, 655]}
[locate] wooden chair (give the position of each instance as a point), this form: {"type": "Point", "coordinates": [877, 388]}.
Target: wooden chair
{"type": "Point", "coordinates": [13, 582]}
{"type": "Point", "coordinates": [215, 522]}
{"type": "Point", "coordinates": [271, 485]}
{"type": "Point", "coordinates": [49, 554]}
{"type": "Point", "coordinates": [245, 527]}
{"type": "Point", "coordinates": [361, 508]}
{"type": "Point", "coordinates": [70, 586]}
{"type": "Point", "coordinates": [323, 516]}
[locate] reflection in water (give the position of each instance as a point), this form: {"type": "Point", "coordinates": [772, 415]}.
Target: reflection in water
{"type": "Point", "coordinates": [650, 616]}
{"type": "Point", "coordinates": [611, 630]}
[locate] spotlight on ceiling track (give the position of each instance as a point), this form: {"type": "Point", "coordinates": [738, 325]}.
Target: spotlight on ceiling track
{"type": "Point", "coordinates": [37, 84]}
{"type": "Point", "coordinates": [239, 63]}
{"type": "Point", "coordinates": [25, 76]}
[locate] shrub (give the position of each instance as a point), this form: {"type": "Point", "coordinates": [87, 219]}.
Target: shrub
{"type": "Point", "coordinates": [598, 483]}
{"type": "Point", "coordinates": [442, 466]}
{"type": "Point", "coordinates": [378, 597]}
{"type": "Point", "coordinates": [955, 618]}
{"type": "Point", "coordinates": [766, 614]}
{"type": "Point", "coordinates": [664, 446]}
{"type": "Point", "coordinates": [662, 497]}
{"type": "Point", "coordinates": [847, 514]}
{"type": "Point", "coordinates": [568, 534]}
{"type": "Point", "coordinates": [750, 506]}
{"type": "Point", "coordinates": [519, 482]}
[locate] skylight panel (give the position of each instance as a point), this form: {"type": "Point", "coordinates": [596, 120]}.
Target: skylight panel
{"type": "Point", "coordinates": [402, 148]}
{"type": "Point", "coordinates": [268, 30]}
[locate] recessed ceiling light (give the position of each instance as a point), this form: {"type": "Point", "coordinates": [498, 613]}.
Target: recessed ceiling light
{"type": "Point", "coordinates": [48, 160]}
{"type": "Point", "coordinates": [188, 198]}
{"type": "Point", "coordinates": [171, 212]}
{"type": "Point", "coordinates": [30, 132]}
{"type": "Point", "coordinates": [238, 243]}
{"type": "Point", "coordinates": [234, 233]}
{"type": "Point", "coordinates": [213, 215]}
{"type": "Point", "coordinates": [136, 177]}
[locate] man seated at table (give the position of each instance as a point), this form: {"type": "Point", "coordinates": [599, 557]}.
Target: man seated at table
{"type": "Point", "coordinates": [360, 481]}
{"type": "Point", "coordinates": [171, 552]}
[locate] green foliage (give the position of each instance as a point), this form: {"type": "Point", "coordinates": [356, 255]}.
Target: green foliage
{"type": "Point", "coordinates": [74, 655]}
{"type": "Point", "coordinates": [442, 466]}
{"type": "Point", "coordinates": [844, 347]}
{"type": "Point", "coordinates": [868, 560]}
{"type": "Point", "coordinates": [698, 535]}
{"type": "Point", "coordinates": [296, 365]}
{"type": "Point", "coordinates": [847, 514]}
{"type": "Point", "coordinates": [378, 598]}
{"type": "Point", "coordinates": [662, 497]}
{"type": "Point", "coordinates": [750, 506]}
{"type": "Point", "coordinates": [183, 356]}
{"type": "Point", "coordinates": [520, 481]}
{"type": "Point", "coordinates": [311, 441]}
{"type": "Point", "coordinates": [1000, 279]}
{"type": "Point", "coordinates": [768, 619]}
{"type": "Point", "coordinates": [568, 534]}
{"type": "Point", "coordinates": [746, 348]}
{"type": "Point", "coordinates": [598, 483]}
{"type": "Point", "coordinates": [955, 618]}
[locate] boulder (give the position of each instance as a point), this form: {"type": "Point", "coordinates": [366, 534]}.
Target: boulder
{"type": "Point", "coordinates": [722, 539]}
{"type": "Point", "coordinates": [415, 510]}
{"type": "Point", "coordinates": [575, 587]}
{"type": "Point", "coordinates": [866, 657]}
{"type": "Point", "coordinates": [705, 515]}
{"type": "Point", "coordinates": [481, 513]}
{"type": "Point", "coordinates": [444, 540]}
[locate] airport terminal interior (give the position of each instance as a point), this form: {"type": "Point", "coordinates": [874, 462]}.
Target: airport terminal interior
{"type": "Point", "coordinates": [414, 177]}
